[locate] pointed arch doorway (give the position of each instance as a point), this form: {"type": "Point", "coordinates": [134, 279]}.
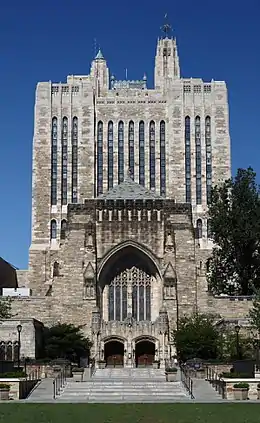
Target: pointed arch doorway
{"type": "Point", "coordinates": [114, 353]}
{"type": "Point", "coordinates": [144, 352]}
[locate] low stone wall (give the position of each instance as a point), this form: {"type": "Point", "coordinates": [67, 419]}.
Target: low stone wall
{"type": "Point", "coordinates": [46, 371]}
{"type": "Point", "coordinates": [229, 384]}
{"type": "Point", "coordinates": [19, 388]}
{"type": "Point", "coordinates": [220, 368]}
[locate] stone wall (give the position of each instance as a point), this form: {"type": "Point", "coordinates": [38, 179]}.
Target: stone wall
{"type": "Point", "coordinates": [31, 334]}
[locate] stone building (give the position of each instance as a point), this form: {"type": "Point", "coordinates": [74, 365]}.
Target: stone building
{"type": "Point", "coordinates": [121, 180]}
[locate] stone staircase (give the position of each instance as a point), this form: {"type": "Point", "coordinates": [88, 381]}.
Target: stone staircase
{"type": "Point", "coordinates": [124, 385]}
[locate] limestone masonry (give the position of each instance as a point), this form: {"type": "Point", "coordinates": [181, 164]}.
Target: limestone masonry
{"type": "Point", "coordinates": [121, 180]}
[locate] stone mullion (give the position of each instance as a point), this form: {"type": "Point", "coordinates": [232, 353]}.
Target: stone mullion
{"type": "Point", "coordinates": [147, 154]}
{"type": "Point", "coordinates": [157, 158]}
{"type": "Point", "coordinates": [136, 151]}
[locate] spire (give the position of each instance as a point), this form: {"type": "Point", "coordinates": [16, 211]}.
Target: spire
{"type": "Point", "coordinates": [166, 28]}
{"type": "Point", "coordinates": [99, 55]}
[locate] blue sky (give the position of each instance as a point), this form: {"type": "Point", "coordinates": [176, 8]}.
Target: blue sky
{"type": "Point", "coordinates": [42, 41]}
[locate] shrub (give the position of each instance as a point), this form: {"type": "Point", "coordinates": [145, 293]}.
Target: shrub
{"type": "Point", "coordinates": [78, 369]}
{"type": "Point", "coordinates": [241, 385]}
{"type": "Point", "coordinates": [171, 370]}
{"type": "Point", "coordinates": [4, 386]}
{"type": "Point", "coordinates": [232, 375]}
{"type": "Point", "coordinates": [13, 374]}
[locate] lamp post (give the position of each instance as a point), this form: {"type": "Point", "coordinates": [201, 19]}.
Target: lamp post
{"type": "Point", "coordinates": [19, 330]}
{"type": "Point", "coordinates": [237, 329]}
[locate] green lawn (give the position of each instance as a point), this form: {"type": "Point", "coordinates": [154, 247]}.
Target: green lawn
{"type": "Point", "coordinates": [129, 413]}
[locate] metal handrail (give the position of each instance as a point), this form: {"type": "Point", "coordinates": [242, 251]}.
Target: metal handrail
{"type": "Point", "coordinates": [216, 381]}
{"type": "Point", "coordinates": [59, 382]}
{"type": "Point", "coordinates": [187, 381]}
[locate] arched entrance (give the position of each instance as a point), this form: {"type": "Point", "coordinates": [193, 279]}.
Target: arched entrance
{"type": "Point", "coordinates": [114, 353]}
{"type": "Point", "coordinates": [144, 353]}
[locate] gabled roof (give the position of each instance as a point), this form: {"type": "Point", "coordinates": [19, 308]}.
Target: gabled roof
{"type": "Point", "coordinates": [129, 190]}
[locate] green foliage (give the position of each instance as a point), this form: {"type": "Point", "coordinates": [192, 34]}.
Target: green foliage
{"type": "Point", "coordinates": [241, 385]}
{"type": "Point", "coordinates": [228, 346]}
{"type": "Point", "coordinates": [12, 375]}
{"type": "Point", "coordinates": [4, 386]}
{"type": "Point", "coordinates": [66, 341]}
{"type": "Point", "coordinates": [171, 370]}
{"type": "Point", "coordinates": [5, 308]}
{"type": "Point", "coordinates": [234, 212]}
{"type": "Point", "coordinates": [196, 337]}
{"type": "Point", "coordinates": [254, 313]}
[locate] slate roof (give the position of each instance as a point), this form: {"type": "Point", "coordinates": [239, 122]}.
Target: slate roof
{"type": "Point", "coordinates": [99, 55]}
{"type": "Point", "coordinates": [129, 190]}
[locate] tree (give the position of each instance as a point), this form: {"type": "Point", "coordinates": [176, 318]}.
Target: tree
{"type": "Point", "coordinates": [66, 341]}
{"type": "Point", "coordinates": [197, 337]}
{"type": "Point", "coordinates": [234, 213]}
{"type": "Point", "coordinates": [254, 313]}
{"type": "Point", "coordinates": [5, 308]}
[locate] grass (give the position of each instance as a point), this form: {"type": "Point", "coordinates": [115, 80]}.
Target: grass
{"type": "Point", "coordinates": [129, 413]}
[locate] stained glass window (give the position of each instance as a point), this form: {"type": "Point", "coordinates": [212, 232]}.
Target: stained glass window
{"type": "Point", "coordinates": [100, 158]}
{"type": "Point", "coordinates": [152, 154]}
{"type": "Point", "coordinates": [131, 148]}
{"type": "Point", "coordinates": [141, 154]}
{"type": "Point", "coordinates": [54, 160]}
{"type": "Point", "coordinates": [120, 152]}
{"type": "Point", "coordinates": [199, 228]}
{"type": "Point", "coordinates": [63, 229]}
{"type": "Point", "coordinates": [162, 160]}
{"type": "Point", "coordinates": [53, 229]}
{"type": "Point", "coordinates": [198, 159]}
{"type": "Point", "coordinates": [110, 150]}
{"type": "Point", "coordinates": [74, 160]}
{"type": "Point", "coordinates": [208, 157]}
{"type": "Point", "coordinates": [187, 160]}
{"type": "Point", "coordinates": [64, 161]}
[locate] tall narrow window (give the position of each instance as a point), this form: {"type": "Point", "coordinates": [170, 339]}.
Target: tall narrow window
{"type": "Point", "coordinates": [74, 185]}
{"type": "Point", "coordinates": [64, 162]}
{"type": "Point", "coordinates": [110, 155]}
{"type": "Point", "coordinates": [54, 161]}
{"type": "Point", "coordinates": [100, 158]}
{"type": "Point", "coordinates": [198, 159]}
{"type": "Point", "coordinates": [141, 154]}
{"type": "Point", "coordinates": [208, 157]}
{"type": "Point", "coordinates": [162, 159]}
{"type": "Point", "coordinates": [63, 229]}
{"type": "Point", "coordinates": [120, 152]}
{"type": "Point", "coordinates": [53, 229]}
{"type": "Point", "coordinates": [131, 148]}
{"type": "Point", "coordinates": [152, 154]}
{"type": "Point", "coordinates": [187, 160]}
{"type": "Point", "coordinates": [209, 232]}
{"type": "Point", "coordinates": [199, 228]}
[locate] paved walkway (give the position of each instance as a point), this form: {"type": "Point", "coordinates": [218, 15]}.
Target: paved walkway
{"type": "Point", "coordinates": [42, 392]}
{"type": "Point", "coordinates": [203, 391]}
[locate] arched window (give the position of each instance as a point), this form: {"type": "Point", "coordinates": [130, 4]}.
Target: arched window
{"type": "Point", "coordinates": [100, 158]}
{"type": "Point", "coordinates": [16, 351]}
{"type": "Point", "coordinates": [74, 185]}
{"type": "Point", "coordinates": [63, 228]}
{"type": "Point", "coordinates": [110, 155]}
{"type": "Point", "coordinates": [54, 160]}
{"type": "Point", "coordinates": [2, 351]}
{"type": "Point", "coordinates": [187, 160]}
{"type": "Point", "coordinates": [152, 154]}
{"type": "Point", "coordinates": [198, 159]}
{"type": "Point", "coordinates": [131, 148]}
{"type": "Point", "coordinates": [141, 154]}
{"type": "Point", "coordinates": [120, 152]}
{"type": "Point", "coordinates": [162, 159]}
{"type": "Point", "coordinates": [208, 157]}
{"type": "Point", "coordinates": [64, 162]}
{"type": "Point", "coordinates": [53, 229]}
{"type": "Point", "coordinates": [9, 351]}
{"type": "Point", "coordinates": [199, 228]}
{"type": "Point", "coordinates": [140, 284]}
